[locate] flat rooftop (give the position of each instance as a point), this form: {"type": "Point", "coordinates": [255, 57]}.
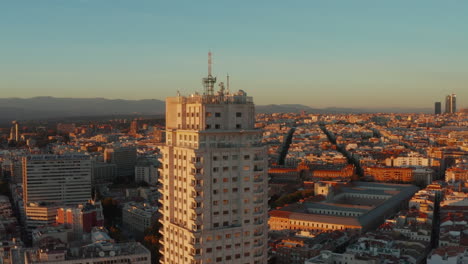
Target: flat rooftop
{"type": "Point", "coordinates": [360, 204]}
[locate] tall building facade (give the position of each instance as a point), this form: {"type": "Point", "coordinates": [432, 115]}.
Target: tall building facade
{"type": "Point", "coordinates": [450, 104]}
{"type": "Point", "coordinates": [214, 180]}
{"type": "Point", "coordinates": [123, 157]}
{"type": "Point", "coordinates": [437, 108]}
{"type": "Point", "coordinates": [14, 131]}
{"type": "Point", "coordinates": [63, 179]}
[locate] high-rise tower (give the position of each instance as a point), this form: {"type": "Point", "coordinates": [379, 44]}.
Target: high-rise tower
{"type": "Point", "coordinates": [450, 104]}
{"type": "Point", "coordinates": [214, 180]}
{"type": "Point", "coordinates": [437, 108]}
{"type": "Point", "coordinates": [14, 131]}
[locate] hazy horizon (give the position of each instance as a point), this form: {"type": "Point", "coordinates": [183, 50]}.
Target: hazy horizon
{"type": "Point", "coordinates": [321, 54]}
{"type": "Point", "coordinates": [163, 100]}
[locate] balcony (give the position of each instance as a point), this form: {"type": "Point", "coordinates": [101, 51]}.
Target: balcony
{"type": "Point", "coordinates": [197, 210]}
{"type": "Point", "coordinates": [260, 190]}
{"type": "Point", "coordinates": [197, 175]}
{"type": "Point", "coordinates": [258, 179]}
{"type": "Point", "coordinates": [197, 186]}
{"type": "Point", "coordinates": [196, 256]}
{"type": "Point", "coordinates": [258, 254]}
{"type": "Point", "coordinates": [258, 212]}
{"type": "Point", "coordinates": [258, 244]}
{"type": "Point", "coordinates": [257, 169]}
{"type": "Point", "coordinates": [258, 201]}
{"type": "Point", "coordinates": [257, 158]}
{"type": "Point", "coordinates": [197, 164]}
{"type": "Point", "coordinates": [258, 234]}
{"type": "Point", "coordinates": [258, 222]}
{"type": "Point", "coordinates": [197, 198]}
{"type": "Point", "coordinates": [197, 220]}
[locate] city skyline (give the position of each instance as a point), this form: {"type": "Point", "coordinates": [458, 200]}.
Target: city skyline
{"type": "Point", "coordinates": [317, 54]}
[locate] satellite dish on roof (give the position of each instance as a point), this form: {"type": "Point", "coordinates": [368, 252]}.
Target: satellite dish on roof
{"type": "Point", "coordinates": [102, 254]}
{"type": "Point", "coordinates": [112, 253]}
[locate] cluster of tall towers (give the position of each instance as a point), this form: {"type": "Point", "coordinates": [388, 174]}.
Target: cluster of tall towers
{"type": "Point", "coordinates": [450, 105]}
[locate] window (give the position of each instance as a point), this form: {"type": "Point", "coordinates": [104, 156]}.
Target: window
{"type": "Point", "coordinates": [208, 126]}
{"type": "Point", "coordinates": [225, 157]}
{"type": "Point", "coordinates": [217, 126]}
{"type": "Point", "coordinates": [217, 114]}
{"type": "Point", "coordinates": [238, 114]}
{"type": "Point", "coordinates": [207, 114]}
{"type": "Point", "coordinates": [215, 158]}
{"type": "Point", "coordinates": [246, 157]}
{"type": "Point", "coordinates": [238, 126]}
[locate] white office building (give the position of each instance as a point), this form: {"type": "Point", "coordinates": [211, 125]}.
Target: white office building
{"type": "Point", "coordinates": [63, 179]}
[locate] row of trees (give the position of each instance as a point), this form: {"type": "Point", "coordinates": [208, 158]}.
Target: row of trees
{"type": "Point", "coordinates": [291, 198]}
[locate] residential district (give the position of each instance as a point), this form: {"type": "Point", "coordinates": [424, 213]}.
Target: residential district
{"type": "Point", "coordinates": [280, 188]}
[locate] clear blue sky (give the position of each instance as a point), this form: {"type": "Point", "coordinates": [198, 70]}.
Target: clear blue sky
{"type": "Point", "coordinates": [396, 53]}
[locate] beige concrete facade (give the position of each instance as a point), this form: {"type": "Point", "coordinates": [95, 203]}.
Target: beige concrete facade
{"type": "Point", "coordinates": [214, 181]}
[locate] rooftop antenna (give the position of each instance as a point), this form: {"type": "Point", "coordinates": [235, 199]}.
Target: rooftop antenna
{"type": "Point", "coordinates": [209, 63]}
{"type": "Point", "coordinates": [209, 81]}
{"type": "Point", "coordinates": [227, 83]}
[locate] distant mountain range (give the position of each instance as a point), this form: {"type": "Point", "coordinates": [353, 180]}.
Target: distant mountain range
{"type": "Point", "coordinates": [296, 108]}
{"type": "Point", "coordinates": [52, 107]}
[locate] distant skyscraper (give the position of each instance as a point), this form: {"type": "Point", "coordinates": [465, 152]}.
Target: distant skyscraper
{"type": "Point", "coordinates": [451, 104]}
{"type": "Point", "coordinates": [14, 131]}
{"type": "Point", "coordinates": [123, 157]}
{"type": "Point", "coordinates": [134, 128]}
{"type": "Point", "coordinates": [438, 108]}
{"type": "Point", "coordinates": [214, 180]}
